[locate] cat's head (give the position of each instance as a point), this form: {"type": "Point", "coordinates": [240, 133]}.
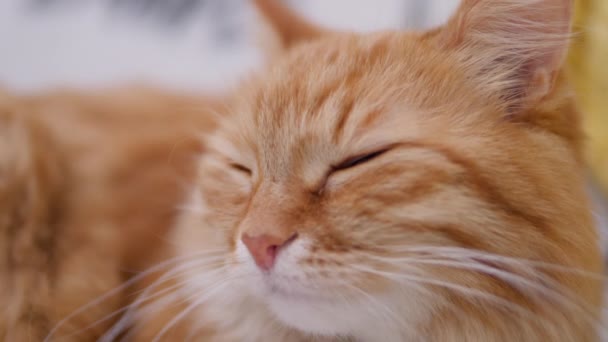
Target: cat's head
{"type": "Point", "coordinates": [403, 181]}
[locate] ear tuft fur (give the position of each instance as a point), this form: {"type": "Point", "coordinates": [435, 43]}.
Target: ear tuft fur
{"type": "Point", "coordinates": [290, 28]}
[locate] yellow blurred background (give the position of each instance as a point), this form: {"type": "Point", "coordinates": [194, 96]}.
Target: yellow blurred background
{"type": "Point", "coordinates": [589, 68]}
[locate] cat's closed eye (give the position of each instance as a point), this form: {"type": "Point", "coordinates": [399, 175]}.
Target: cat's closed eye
{"type": "Point", "coordinates": [241, 168]}
{"type": "Point", "coordinates": [358, 160]}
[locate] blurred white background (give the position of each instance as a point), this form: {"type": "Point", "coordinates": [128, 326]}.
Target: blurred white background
{"type": "Point", "coordinates": [194, 44]}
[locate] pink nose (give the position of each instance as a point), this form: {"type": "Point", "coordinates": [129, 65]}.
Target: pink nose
{"type": "Point", "coordinates": [264, 248]}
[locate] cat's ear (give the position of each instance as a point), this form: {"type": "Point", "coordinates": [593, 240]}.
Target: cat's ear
{"type": "Point", "coordinates": [289, 27]}
{"type": "Point", "coordinates": [515, 47]}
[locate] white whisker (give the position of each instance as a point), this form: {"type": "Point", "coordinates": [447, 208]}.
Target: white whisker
{"type": "Point", "coordinates": [474, 293]}
{"type": "Point", "coordinates": [521, 283]}
{"type": "Point", "coordinates": [196, 303]}
{"type": "Point", "coordinates": [117, 290]}
{"type": "Point", "coordinates": [124, 322]}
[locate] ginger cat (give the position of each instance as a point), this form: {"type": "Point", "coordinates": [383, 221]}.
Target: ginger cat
{"type": "Point", "coordinates": [417, 186]}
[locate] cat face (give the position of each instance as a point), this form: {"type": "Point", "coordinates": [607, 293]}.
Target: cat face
{"type": "Point", "coordinates": [393, 180]}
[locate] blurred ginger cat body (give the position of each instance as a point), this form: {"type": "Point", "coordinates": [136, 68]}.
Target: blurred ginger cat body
{"type": "Point", "coordinates": [368, 187]}
{"type": "Point", "coordinates": [90, 185]}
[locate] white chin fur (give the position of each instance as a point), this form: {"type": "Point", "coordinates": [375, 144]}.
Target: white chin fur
{"type": "Point", "coordinates": [307, 314]}
{"type": "Point", "coordinates": [317, 317]}
{"type": "Point", "coordinates": [296, 305]}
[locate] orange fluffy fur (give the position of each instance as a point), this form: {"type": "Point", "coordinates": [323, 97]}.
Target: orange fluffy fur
{"type": "Point", "coordinates": [89, 186]}
{"type": "Point", "coordinates": [421, 187]}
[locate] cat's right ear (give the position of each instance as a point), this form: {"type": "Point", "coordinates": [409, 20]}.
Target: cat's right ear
{"type": "Point", "coordinates": [288, 27]}
{"type": "Point", "coordinates": [515, 48]}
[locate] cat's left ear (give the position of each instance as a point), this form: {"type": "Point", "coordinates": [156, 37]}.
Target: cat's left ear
{"type": "Point", "coordinates": [289, 27]}
{"type": "Point", "coordinates": [514, 47]}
